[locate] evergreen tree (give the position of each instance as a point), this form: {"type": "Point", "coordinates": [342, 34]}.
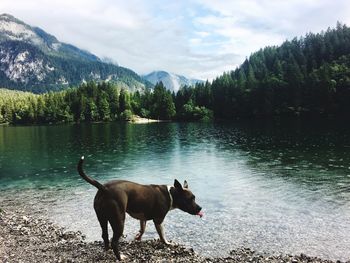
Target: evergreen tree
{"type": "Point", "coordinates": [163, 107]}
{"type": "Point", "coordinates": [124, 101]}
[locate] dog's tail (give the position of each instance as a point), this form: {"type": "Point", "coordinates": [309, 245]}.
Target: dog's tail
{"type": "Point", "coordinates": [89, 179]}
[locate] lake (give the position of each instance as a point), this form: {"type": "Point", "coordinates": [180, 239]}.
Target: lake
{"type": "Point", "coordinates": [281, 187]}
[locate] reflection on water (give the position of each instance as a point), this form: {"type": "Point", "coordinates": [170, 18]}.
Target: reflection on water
{"type": "Point", "coordinates": [275, 187]}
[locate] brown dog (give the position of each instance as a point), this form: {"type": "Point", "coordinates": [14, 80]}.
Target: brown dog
{"type": "Point", "coordinates": [142, 202]}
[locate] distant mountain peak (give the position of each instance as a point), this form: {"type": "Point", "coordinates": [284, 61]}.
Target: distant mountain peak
{"type": "Point", "coordinates": [9, 17]}
{"type": "Point", "coordinates": [171, 81]}
{"type": "Point", "coordinates": [14, 29]}
{"type": "Point", "coordinates": [32, 59]}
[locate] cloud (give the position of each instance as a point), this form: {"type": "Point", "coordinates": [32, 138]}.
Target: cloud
{"type": "Point", "coordinates": [245, 26]}
{"type": "Point", "coordinates": [292, 17]}
{"type": "Point", "coordinates": [202, 34]}
{"type": "Point", "coordinates": [195, 38]}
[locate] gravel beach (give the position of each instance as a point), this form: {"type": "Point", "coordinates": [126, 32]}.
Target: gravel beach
{"type": "Point", "coordinates": [31, 238]}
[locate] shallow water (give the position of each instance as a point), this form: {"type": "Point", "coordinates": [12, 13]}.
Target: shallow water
{"type": "Point", "coordinates": [274, 187]}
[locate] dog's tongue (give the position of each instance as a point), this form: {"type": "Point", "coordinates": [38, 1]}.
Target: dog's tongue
{"type": "Point", "coordinates": [200, 214]}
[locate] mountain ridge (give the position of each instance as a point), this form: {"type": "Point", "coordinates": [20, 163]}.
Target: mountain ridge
{"type": "Point", "coordinates": [34, 60]}
{"type": "Point", "coordinates": [11, 28]}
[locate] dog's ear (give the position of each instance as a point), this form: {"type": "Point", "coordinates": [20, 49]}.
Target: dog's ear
{"type": "Point", "coordinates": [177, 185]}
{"type": "Point", "coordinates": [185, 184]}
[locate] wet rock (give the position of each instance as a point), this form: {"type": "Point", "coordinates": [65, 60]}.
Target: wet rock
{"type": "Point", "coordinates": [25, 219]}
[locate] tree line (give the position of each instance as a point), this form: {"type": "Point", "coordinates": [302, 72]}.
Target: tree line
{"type": "Point", "coordinates": [305, 76]}
{"type": "Point", "coordinates": [90, 102]}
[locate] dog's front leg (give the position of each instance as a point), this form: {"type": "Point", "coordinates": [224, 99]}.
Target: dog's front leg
{"type": "Point", "coordinates": [160, 231]}
{"type": "Point", "coordinates": [142, 230]}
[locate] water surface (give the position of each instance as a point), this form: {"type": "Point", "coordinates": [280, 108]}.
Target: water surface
{"type": "Point", "coordinates": [273, 187]}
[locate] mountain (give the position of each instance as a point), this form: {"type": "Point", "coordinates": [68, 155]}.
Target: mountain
{"type": "Point", "coordinates": [33, 60]}
{"type": "Point", "coordinates": [171, 81]}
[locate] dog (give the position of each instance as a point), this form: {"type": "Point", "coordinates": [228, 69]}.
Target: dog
{"type": "Point", "coordinates": [143, 202]}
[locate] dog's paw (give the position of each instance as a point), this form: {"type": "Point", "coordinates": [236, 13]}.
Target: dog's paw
{"type": "Point", "coordinates": [138, 237]}
{"type": "Point", "coordinates": [166, 242]}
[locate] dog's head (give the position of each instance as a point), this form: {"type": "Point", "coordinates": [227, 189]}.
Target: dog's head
{"type": "Point", "coordinates": [184, 199]}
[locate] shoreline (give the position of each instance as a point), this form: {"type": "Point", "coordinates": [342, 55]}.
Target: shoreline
{"type": "Point", "coordinates": [31, 238]}
{"type": "Point", "coordinates": [139, 120]}
{"type": "Point", "coordinates": [135, 119]}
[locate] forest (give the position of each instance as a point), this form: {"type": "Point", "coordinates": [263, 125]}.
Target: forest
{"type": "Point", "coordinates": [89, 102]}
{"type": "Point", "coordinates": [306, 76]}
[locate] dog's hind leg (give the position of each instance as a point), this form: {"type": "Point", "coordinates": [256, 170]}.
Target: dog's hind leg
{"type": "Point", "coordinates": [116, 221]}
{"type": "Point", "coordinates": [101, 210]}
{"type": "Point", "coordinates": [104, 226]}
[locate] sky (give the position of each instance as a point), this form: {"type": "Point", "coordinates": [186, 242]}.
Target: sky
{"type": "Point", "coordinates": [195, 38]}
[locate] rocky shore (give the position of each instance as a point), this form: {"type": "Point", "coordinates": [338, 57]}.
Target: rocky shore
{"type": "Point", "coordinates": [30, 238]}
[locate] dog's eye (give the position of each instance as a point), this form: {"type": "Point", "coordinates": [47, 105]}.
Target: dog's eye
{"type": "Point", "coordinates": [193, 197]}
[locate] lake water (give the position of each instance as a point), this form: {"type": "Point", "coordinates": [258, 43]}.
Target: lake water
{"type": "Point", "coordinates": [273, 187]}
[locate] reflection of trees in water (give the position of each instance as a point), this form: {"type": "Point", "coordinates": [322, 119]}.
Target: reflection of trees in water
{"type": "Point", "coordinates": [312, 154]}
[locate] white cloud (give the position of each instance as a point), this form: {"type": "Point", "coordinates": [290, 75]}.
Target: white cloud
{"type": "Point", "coordinates": [196, 38]}
{"type": "Point", "coordinates": [248, 25]}
{"type": "Point", "coordinates": [288, 18]}
{"type": "Point", "coordinates": [202, 34]}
